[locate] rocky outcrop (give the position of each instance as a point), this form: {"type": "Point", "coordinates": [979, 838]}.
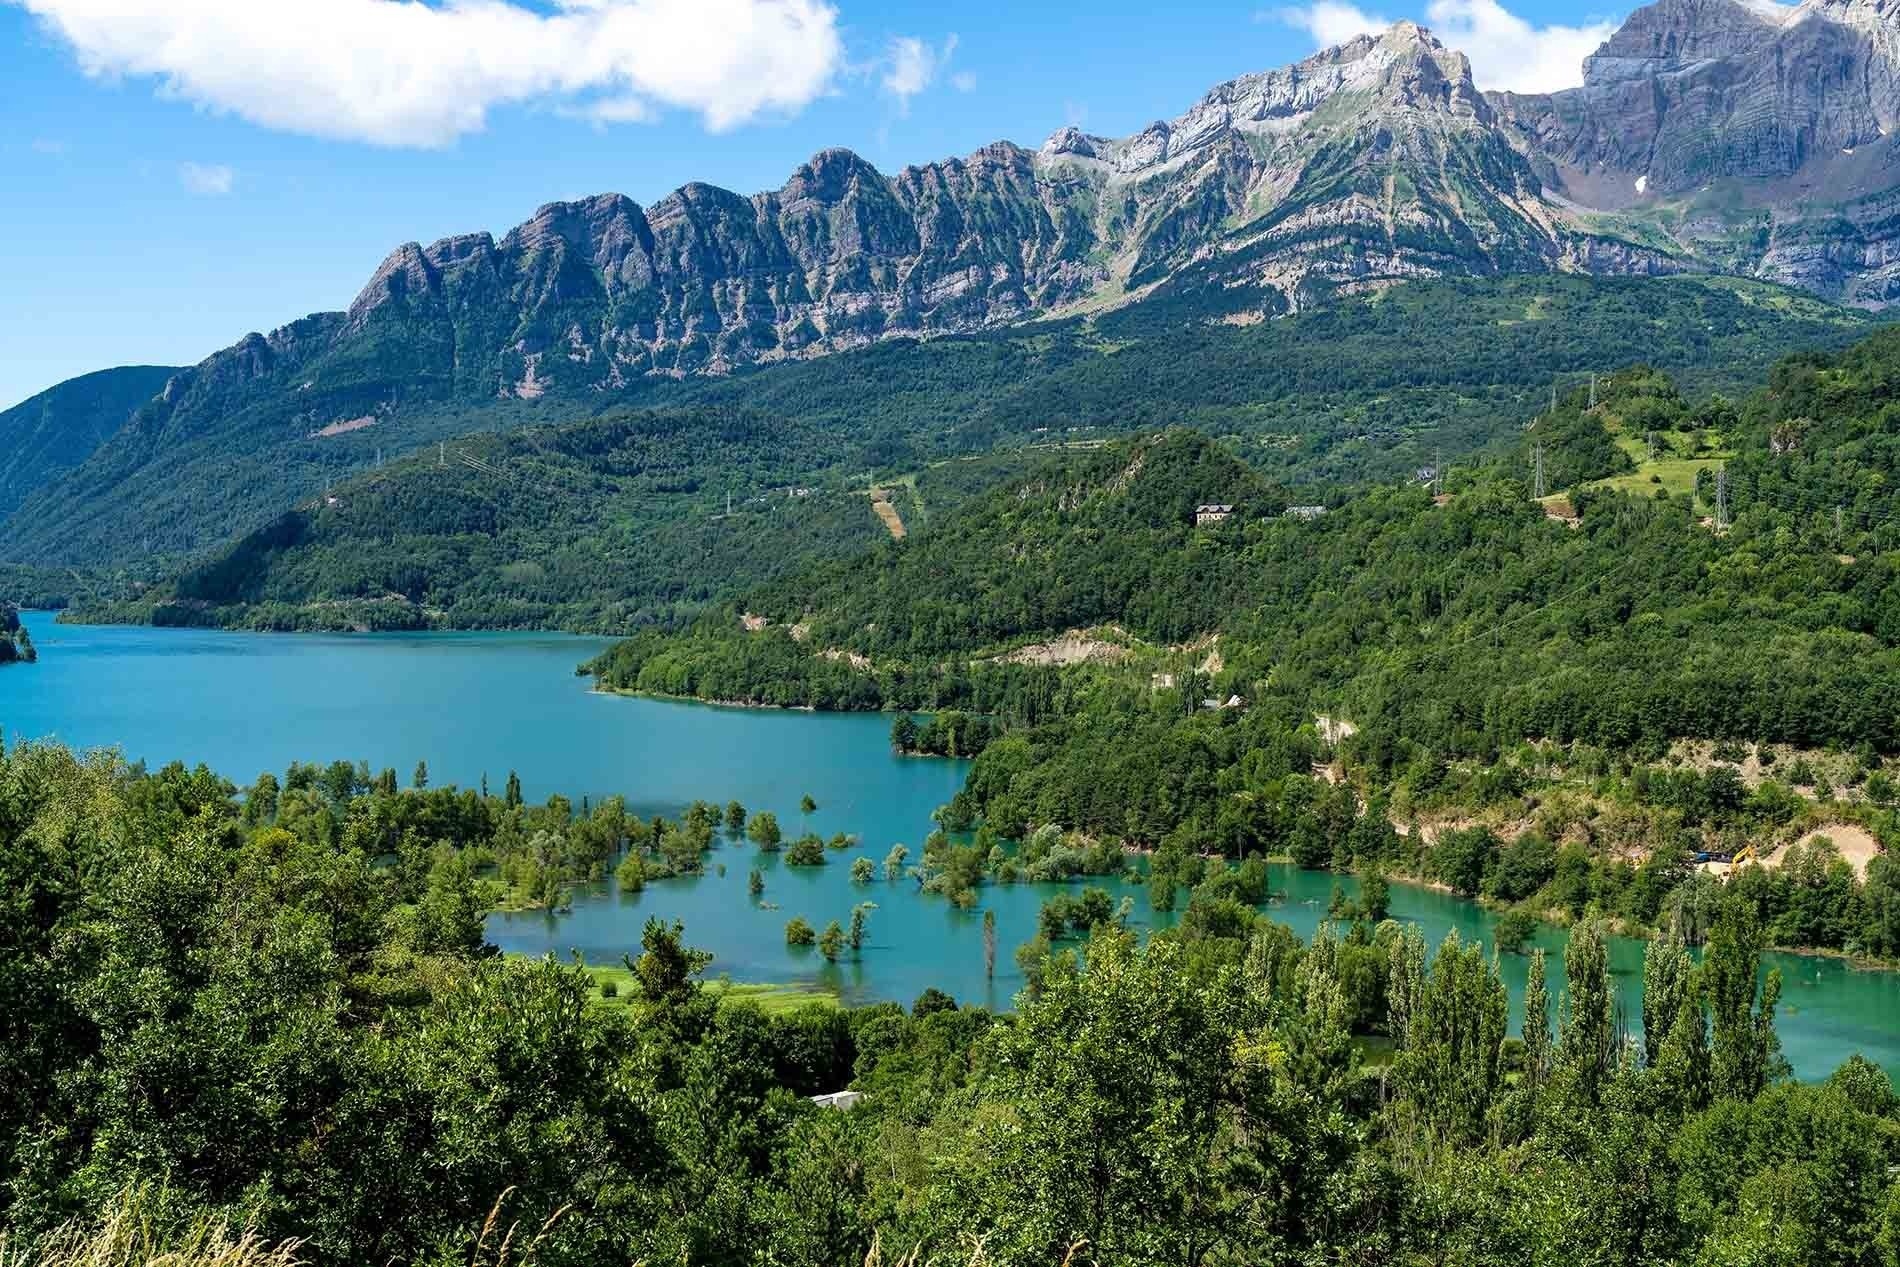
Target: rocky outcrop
{"type": "Point", "coordinates": [1759, 137]}
{"type": "Point", "coordinates": [1376, 160]}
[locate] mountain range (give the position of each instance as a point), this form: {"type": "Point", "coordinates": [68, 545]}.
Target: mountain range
{"type": "Point", "coordinates": [1708, 136]}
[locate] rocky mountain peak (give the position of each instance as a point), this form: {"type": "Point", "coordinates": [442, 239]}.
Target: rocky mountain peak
{"type": "Point", "coordinates": [404, 271]}
{"type": "Point", "coordinates": [1671, 35]}
{"type": "Point", "coordinates": [1404, 68]}
{"type": "Point", "coordinates": [829, 176]}
{"type": "Point", "coordinates": [1071, 140]}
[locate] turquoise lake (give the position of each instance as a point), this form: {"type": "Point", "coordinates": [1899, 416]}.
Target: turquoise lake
{"type": "Point", "coordinates": [484, 704]}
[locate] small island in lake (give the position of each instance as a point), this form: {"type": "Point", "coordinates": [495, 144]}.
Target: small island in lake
{"type": "Point", "coordinates": [16, 644]}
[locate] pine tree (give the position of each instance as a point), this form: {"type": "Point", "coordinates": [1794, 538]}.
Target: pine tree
{"type": "Point", "coordinates": [422, 775]}
{"type": "Point", "coordinates": [989, 945]}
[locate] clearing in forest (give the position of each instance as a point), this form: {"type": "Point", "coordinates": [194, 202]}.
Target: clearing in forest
{"type": "Point", "coordinates": [881, 503]}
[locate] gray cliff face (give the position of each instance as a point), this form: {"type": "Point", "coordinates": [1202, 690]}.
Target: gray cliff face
{"type": "Point", "coordinates": [1708, 135]}
{"type": "Point", "coordinates": [1379, 159]}
{"type": "Point", "coordinates": [1770, 130]}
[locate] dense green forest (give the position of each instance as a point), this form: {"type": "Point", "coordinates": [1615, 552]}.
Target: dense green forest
{"type": "Point", "coordinates": [1474, 655]}
{"type": "Point", "coordinates": [275, 1012]}
{"type": "Point", "coordinates": [609, 524]}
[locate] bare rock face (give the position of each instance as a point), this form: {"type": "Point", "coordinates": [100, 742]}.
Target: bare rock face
{"type": "Point", "coordinates": [1767, 131]}
{"type": "Point", "coordinates": [1729, 135]}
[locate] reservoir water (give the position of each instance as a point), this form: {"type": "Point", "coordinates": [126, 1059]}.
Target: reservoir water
{"type": "Point", "coordinates": [483, 704]}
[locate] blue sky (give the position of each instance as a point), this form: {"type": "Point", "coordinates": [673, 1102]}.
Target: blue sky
{"type": "Point", "coordinates": [182, 172]}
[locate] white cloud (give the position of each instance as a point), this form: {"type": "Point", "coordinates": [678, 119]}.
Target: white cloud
{"type": "Point", "coordinates": [1330, 22]}
{"type": "Point", "coordinates": [912, 65]}
{"type": "Point", "coordinates": [210, 180]}
{"type": "Point", "coordinates": [401, 72]}
{"type": "Point", "coordinates": [1507, 52]}
{"type": "Point", "coordinates": [963, 81]}
{"type": "Point", "coordinates": [48, 145]}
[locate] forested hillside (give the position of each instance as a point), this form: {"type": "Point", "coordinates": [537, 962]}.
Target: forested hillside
{"type": "Point", "coordinates": [1488, 655]}
{"type": "Point", "coordinates": [1367, 388]}
{"type": "Point", "coordinates": [1362, 387]}
{"type": "Point", "coordinates": [274, 1017]}
{"type": "Point", "coordinates": [47, 435]}
{"type": "Point", "coordinates": [600, 525]}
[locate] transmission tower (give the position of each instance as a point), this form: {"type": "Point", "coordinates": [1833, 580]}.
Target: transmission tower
{"type": "Point", "coordinates": [1537, 460]}
{"type": "Point", "coordinates": [1593, 389]}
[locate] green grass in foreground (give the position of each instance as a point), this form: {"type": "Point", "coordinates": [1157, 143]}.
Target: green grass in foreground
{"type": "Point", "coordinates": [773, 999]}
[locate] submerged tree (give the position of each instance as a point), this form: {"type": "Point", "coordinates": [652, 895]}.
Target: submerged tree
{"type": "Point", "coordinates": [989, 944]}
{"type": "Point", "coordinates": [860, 918]}
{"type": "Point", "coordinates": [763, 830]}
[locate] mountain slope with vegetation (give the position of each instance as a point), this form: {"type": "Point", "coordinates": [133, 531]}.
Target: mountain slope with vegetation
{"type": "Point", "coordinates": [49, 434]}
{"type": "Point", "coordinates": [1370, 387]}
{"type": "Point", "coordinates": [610, 524]}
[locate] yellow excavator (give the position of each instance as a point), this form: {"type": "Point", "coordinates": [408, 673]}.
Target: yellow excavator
{"type": "Point", "coordinates": [1747, 853]}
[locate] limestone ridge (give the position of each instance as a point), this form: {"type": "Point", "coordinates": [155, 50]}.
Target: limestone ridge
{"type": "Point", "coordinates": [1375, 160]}
{"type": "Point", "coordinates": [1752, 137]}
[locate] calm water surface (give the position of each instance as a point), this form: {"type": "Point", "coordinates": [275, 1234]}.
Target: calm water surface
{"type": "Point", "coordinates": [482, 704]}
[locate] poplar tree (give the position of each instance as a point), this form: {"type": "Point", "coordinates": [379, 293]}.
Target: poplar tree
{"type": "Point", "coordinates": [1536, 1029]}
{"type": "Point", "coordinates": [1745, 1053]}
{"type": "Point", "coordinates": [1586, 1048]}
{"type": "Point", "coordinates": [1666, 972]}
